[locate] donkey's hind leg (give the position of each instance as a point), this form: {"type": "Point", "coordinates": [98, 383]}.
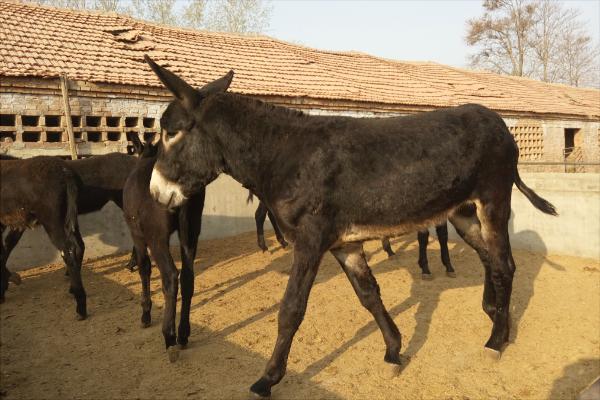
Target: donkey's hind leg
{"type": "Point", "coordinates": [145, 271]}
{"type": "Point", "coordinates": [442, 234]}
{"type": "Point", "coordinates": [260, 216]}
{"type": "Point", "coordinates": [468, 227]}
{"type": "Point", "coordinates": [487, 233]}
{"type": "Point", "coordinates": [6, 246]}
{"type": "Point", "coordinates": [385, 243]}
{"type": "Point", "coordinates": [352, 259]}
{"type": "Point", "coordinates": [423, 238]}
{"type": "Point", "coordinates": [71, 246]}
{"type": "Point", "coordinates": [278, 233]}
{"type": "Point", "coordinates": [4, 274]}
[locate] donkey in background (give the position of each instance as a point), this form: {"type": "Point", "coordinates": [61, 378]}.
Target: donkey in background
{"type": "Point", "coordinates": [102, 178]}
{"type": "Point", "coordinates": [259, 217]}
{"type": "Point", "coordinates": [43, 190]}
{"type": "Point", "coordinates": [423, 239]}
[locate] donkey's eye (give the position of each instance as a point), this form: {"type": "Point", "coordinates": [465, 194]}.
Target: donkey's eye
{"type": "Point", "coordinates": [171, 134]}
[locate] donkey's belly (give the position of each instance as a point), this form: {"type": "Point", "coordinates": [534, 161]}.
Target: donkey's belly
{"type": "Point", "coordinates": [359, 233]}
{"type": "Point", "coordinates": [18, 218]}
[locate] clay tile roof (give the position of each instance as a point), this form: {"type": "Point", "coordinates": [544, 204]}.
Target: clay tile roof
{"type": "Point", "coordinates": [42, 41]}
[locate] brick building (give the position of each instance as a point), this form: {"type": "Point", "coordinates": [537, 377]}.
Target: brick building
{"type": "Point", "coordinates": [112, 91]}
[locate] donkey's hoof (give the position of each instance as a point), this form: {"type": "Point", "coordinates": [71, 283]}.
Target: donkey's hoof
{"type": "Point", "coordinates": [283, 244]}
{"type": "Point", "coordinates": [451, 274]}
{"type": "Point", "coordinates": [15, 278]}
{"type": "Point", "coordinates": [173, 353]}
{"type": "Point", "coordinates": [182, 342]}
{"type": "Point", "coordinates": [80, 317]}
{"type": "Point", "coordinates": [492, 354]}
{"type": "Point", "coordinates": [427, 277]}
{"type": "Point", "coordinates": [145, 324]}
{"type": "Point", "coordinates": [261, 389]}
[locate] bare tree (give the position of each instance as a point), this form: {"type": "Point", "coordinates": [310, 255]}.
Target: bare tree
{"type": "Point", "coordinates": [502, 35]}
{"type": "Point", "coordinates": [160, 11]}
{"type": "Point", "coordinates": [537, 38]}
{"type": "Point", "coordinates": [238, 16]}
{"type": "Point", "coordinates": [99, 5]}
{"type": "Point", "coordinates": [194, 14]}
{"type": "Point", "coordinates": [109, 5]}
{"type": "Point", "coordinates": [550, 19]}
{"type": "Point", "coordinates": [578, 59]}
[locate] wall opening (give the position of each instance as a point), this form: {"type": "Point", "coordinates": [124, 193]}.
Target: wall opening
{"type": "Point", "coordinates": [31, 136]}
{"type": "Point", "coordinates": [148, 122]}
{"type": "Point", "coordinates": [113, 122]}
{"type": "Point", "coordinates": [131, 122]}
{"type": "Point", "coordinates": [30, 120]}
{"type": "Point", "coordinates": [8, 137]}
{"type": "Point", "coordinates": [113, 136]}
{"type": "Point", "coordinates": [53, 137]}
{"type": "Point", "coordinates": [53, 120]}
{"type": "Point", "coordinates": [94, 136]}
{"type": "Point", "coordinates": [76, 120]}
{"type": "Point", "coordinates": [92, 121]}
{"type": "Point", "coordinates": [149, 136]}
{"type": "Point", "coordinates": [573, 140]}
{"type": "Point", "coordinates": [7, 119]}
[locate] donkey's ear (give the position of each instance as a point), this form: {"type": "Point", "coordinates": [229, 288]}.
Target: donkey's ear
{"type": "Point", "coordinates": [188, 96]}
{"type": "Point", "coordinates": [138, 147]}
{"type": "Point", "coordinates": [217, 86]}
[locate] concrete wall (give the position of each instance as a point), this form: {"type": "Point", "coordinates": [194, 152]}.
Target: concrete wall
{"type": "Point", "coordinates": [576, 231]}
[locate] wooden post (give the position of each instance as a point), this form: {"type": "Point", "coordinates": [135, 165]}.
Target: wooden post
{"type": "Point", "coordinates": [65, 94]}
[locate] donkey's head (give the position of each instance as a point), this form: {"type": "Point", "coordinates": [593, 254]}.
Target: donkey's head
{"type": "Point", "coordinates": [189, 158]}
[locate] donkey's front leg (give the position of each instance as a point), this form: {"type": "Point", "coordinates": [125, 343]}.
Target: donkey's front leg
{"type": "Point", "coordinates": [170, 286]}
{"type": "Point", "coordinates": [291, 313]}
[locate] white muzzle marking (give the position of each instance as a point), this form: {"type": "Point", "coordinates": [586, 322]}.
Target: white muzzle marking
{"type": "Point", "coordinates": [164, 191]}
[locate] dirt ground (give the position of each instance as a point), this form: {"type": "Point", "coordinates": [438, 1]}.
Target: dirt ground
{"type": "Point", "coordinates": [338, 351]}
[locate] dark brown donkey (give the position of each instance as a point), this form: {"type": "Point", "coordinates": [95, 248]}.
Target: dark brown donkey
{"type": "Point", "coordinates": [43, 190]}
{"type": "Point", "coordinates": [334, 182]}
{"type": "Point", "coordinates": [151, 226]}
{"type": "Point", "coordinates": [102, 178]}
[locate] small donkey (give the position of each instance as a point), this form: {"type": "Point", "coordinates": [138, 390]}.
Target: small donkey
{"type": "Point", "coordinates": [151, 226]}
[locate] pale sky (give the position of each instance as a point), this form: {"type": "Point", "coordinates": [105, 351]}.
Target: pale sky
{"type": "Point", "coordinates": [430, 30]}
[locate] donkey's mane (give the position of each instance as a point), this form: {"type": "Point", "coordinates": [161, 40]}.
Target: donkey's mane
{"type": "Point", "coordinates": [7, 157]}
{"type": "Point", "coordinates": [261, 107]}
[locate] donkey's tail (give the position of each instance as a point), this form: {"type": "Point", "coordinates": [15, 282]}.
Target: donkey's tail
{"type": "Point", "coordinates": [250, 197]}
{"type": "Point", "coordinates": [72, 188]}
{"type": "Point", "coordinates": [541, 204]}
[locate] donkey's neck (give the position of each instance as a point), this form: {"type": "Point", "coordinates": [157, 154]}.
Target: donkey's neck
{"type": "Point", "coordinates": [249, 132]}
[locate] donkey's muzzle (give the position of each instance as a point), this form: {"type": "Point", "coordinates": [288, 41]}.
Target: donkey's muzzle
{"type": "Point", "coordinates": [164, 191]}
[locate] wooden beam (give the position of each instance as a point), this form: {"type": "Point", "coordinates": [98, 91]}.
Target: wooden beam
{"type": "Point", "coordinates": [64, 82]}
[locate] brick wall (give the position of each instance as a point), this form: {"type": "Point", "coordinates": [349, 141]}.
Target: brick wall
{"type": "Point", "coordinates": [30, 123]}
